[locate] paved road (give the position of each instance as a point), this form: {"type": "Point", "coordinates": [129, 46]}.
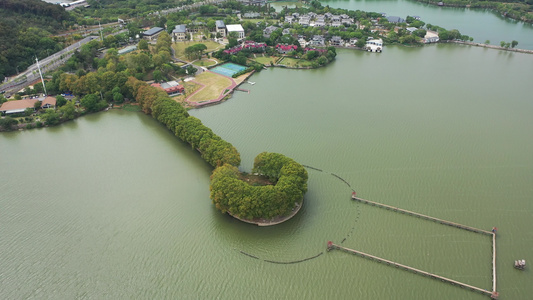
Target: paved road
{"type": "Point", "coordinates": [51, 62]}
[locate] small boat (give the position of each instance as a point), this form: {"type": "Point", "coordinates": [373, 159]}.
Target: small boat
{"type": "Point", "coordinates": [252, 83]}
{"type": "Point", "coordinates": [520, 264]}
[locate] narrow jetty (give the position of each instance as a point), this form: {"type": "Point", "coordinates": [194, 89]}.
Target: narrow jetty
{"type": "Point", "coordinates": [242, 90]}
{"type": "Point", "coordinates": [404, 211]}
{"type": "Point", "coordinates": [493, 294]}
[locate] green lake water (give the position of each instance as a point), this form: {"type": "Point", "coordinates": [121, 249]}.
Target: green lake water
{"type": "Point", "coordinates": [112, 206]}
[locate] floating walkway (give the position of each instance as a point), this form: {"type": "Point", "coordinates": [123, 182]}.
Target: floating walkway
{"type": "Point", "coordinates": [404, 211]}
{"type": "Point", "coordinates": [492, 294]}
{"type": "Point", "coordinates": [242, 90]}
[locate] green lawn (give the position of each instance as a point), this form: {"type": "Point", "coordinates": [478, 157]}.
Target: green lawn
{"type": "Point", "coordinates": [204, 62]}
{"type": "Point", "coordinates": [214, 85]}
{"type": "Point", "coordinates": [179, 47]}
{"type": "Point", "coordinates": [265, 60]}
{"type": "Point", "coordinates": [294, 62]}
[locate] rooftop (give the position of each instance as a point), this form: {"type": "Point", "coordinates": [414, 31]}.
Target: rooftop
{"type": "Point", "coordinates": [153, 31]}
{"type": "Point", "coordinates": [234, 27]}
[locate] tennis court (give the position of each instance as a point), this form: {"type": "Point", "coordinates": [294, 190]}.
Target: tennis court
{"type": "Point", "coordinates": [228, 69]}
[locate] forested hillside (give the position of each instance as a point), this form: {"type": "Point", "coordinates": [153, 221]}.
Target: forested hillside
{"type": "Point", "coordinates": [25, 30]}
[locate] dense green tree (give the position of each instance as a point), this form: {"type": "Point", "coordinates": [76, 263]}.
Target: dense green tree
{"type": "Point", "coordinates": [7, 123]}
{"type": "Point", "coordinates": [50, 117]}
{"type": "Point", "coordinates": [90, 102]}
{"type": "Point", "coordinates": [68, 111]}
{"type": "Point", "coordinates": [60, 101]}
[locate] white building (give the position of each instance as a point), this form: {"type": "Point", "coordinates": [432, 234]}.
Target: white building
{"type": "Point", "coordinates": [236, 28]}
{"type": "Point", "coordinates": [374, 45]}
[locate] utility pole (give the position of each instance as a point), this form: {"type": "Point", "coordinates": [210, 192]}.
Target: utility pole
{"type": "Point", "coordinates": [41, 74]}
{"type": "Point", "coordinates": [100, 31]}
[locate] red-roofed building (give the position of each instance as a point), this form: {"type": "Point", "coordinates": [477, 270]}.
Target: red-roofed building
{"type": "Point", "coordinates": [319, 50]}
{"type": "Point", "coordinates": [171, 87]}
{"type": "Point", "coordinates": [233, 50]}
{"type": "Point", "coordinates": [284, 49]}
{"type": "Point", "coordinates": [49, 102]}
{"type": "Point", "coordinates": [19, 106]}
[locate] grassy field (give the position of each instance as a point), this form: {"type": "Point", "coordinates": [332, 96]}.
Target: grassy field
{"type": "Point", "coordinates": [293, 62]}
{"type": "Point", "coordinates": [180, 47]}
{"type": "Point", "coordinates": [214, 85]}
{"type": "Point", "coordinates": [205, 62]}
{"type": "Point", "coordinates": [265, 60]}
{"type": "Point", "coordinates": [190, 87]}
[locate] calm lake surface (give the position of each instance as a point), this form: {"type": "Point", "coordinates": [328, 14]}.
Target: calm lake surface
{"type": "Point", "coordinates": [481, 24]}
{"type": "Point", "coordinates": [112, 206]}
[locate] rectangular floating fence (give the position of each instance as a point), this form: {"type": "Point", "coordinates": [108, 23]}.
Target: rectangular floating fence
{"type": "Point", "coordinates": [493, 294]}
{"type": "Point", "coordinates": [404, 211]}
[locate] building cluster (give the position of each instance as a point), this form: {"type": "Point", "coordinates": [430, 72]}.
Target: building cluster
{"type": "Point", "coordinates": [254, 46]}
{"type": "Point", "coordinates": [319, 20]}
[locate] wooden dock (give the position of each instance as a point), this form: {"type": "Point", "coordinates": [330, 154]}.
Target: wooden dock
{"type": "Point", "coordinates": [404, 211]}
{"type": "Point", "coordinates": [493, 294]}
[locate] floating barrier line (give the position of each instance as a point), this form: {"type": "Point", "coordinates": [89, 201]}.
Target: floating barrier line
{"type": "Point", "coordinates": [309, 167]}
{"type": "Point", "coordinates": [281, 262]}
{"type": "Point", "coordinates": [248, 254]}
{"type": "Point", "coordinates": [492, 294]}
{"type": "Point", "coordinates": [295, 261]}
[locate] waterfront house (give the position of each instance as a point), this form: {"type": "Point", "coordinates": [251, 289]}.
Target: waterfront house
{"type": "Point", "coordinates": [19, 106]}
{"type": "Point", "coordinates": [152, 33]}
{"type": "Point", "coordinates": [48, 102]}
{"type": "Point", "coordinates": [336, 41]}
{"type": "Point", "coordinates": [237, 28]}
{"type": "Point", "coordinates": [411, 29]}
{"type": "Point", "coordinates": [180, 32]}
{"type": "Point", "coordinates": [394, 19]}
{"type": "Point", "coordinates": [220, 27]}
{"type": "Point", "coordinates": [374, 45]}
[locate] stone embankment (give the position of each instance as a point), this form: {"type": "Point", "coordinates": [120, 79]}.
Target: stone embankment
{"type": "Point", "coordinates": [492, 47]}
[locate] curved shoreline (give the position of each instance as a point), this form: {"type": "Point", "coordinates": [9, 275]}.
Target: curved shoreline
{"type": "Point", "coordinates": [271, 222]}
